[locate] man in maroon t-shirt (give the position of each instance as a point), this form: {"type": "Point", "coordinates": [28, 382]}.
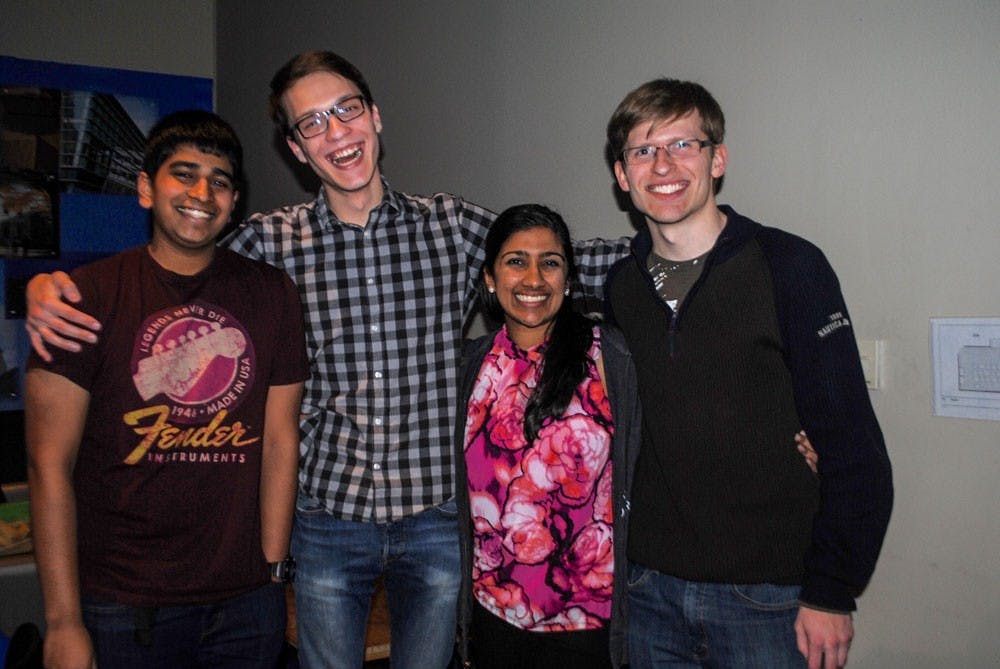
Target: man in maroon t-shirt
{"type": "Point", "coordinates": [163, 459]}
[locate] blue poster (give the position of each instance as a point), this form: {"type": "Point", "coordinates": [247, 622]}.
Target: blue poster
{"type": "Point", "coordinates": [72, 141]}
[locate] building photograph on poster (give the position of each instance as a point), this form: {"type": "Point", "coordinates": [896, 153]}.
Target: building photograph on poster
{"type": "Point", "coordinates": [71, 144]}
{"type": "Point", "coordinates": [29, 172]}
{"type": "Point", "coordinates": [62, 141]}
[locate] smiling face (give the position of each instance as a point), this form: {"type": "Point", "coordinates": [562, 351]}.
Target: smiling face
{"type": "Point", "coordinates": [191, 199]}
{"type": "Point", "coordinates": [529, 278]}
{"type": "Point", "coordinates": [670, 190]}
{"type": "Point", "coordinates": [345, 157]}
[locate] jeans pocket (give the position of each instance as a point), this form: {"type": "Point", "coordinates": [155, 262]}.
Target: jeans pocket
{"type": "Point", "coordinates": [306, 505]}
{"type": "Point", "coordinates": [767, 596]}
{"type": "Point", "coordinates": [638, 575]}
{"type": "Point", "coordinates": [448, 509]}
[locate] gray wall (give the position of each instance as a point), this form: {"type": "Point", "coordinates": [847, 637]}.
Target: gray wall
{"type": "Point", "coordinates": [867, 127]}
{"type": "Point", "coordinates": [176, 37]}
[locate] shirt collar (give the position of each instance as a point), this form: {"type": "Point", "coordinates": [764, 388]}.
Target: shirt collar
{"type": "Point", "coordinates": [391, 204]}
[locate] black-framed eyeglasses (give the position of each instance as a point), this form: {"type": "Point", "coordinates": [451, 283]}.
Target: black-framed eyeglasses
{"type": "Point", "coordinates": [316, 123]}
{"type": "Point", "coordinates": [682, 148]}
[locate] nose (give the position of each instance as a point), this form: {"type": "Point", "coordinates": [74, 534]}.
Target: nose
{"type": "Point", "coordinates": [533, 275]}
{"type": "Point", "coordinates": [336, 128]}
{"type": "Point", "coordinates": [200, 190]}
{"type": "Point", "coordinates": [662, 161]}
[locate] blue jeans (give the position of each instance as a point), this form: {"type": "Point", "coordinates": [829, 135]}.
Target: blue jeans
{"type": "Point", "coordinates": [337, 562]}
{"type": "Point", "coordinates": [242, 632]}
{"type": "Point", "coordinates": [678, 623]}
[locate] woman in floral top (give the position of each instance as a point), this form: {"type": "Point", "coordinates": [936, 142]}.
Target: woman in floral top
{"type": "Point", "coordinates": [547, 449]}
{"type": "Point", "coordinates": [537, 450]}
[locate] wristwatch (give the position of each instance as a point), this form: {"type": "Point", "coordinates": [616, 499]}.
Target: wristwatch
{"type": "Point", "coordinates": [283, 571]}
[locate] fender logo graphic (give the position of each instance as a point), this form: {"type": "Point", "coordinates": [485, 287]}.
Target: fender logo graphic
{"type": "Point", "coordinates": [165, 435]}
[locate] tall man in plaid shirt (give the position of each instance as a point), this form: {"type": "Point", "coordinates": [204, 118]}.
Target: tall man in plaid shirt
{"type": "Point", "coordinates": [387, 283]}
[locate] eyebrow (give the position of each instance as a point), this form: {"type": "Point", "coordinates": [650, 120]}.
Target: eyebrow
{"type": "Point", "coordinates": [216, 171]}
{"type": "Point", "coordinates": [545, 254]}
{"type": "Point", "coordinates": [322, 108]}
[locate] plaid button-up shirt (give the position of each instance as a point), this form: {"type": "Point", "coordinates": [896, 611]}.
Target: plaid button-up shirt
{"type": "Point", "coordinates": [384, 306]}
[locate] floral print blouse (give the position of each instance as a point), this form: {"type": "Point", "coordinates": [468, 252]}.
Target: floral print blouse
{"type": "Point", "coordinates": [541, 512]}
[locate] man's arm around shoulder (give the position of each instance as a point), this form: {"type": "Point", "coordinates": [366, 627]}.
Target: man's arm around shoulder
{"type": "Point", "coordinates": [51, 320]}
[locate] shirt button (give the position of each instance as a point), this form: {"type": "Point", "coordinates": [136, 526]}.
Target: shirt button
{"type": "Point", "coordinates": [370, 281]}
{"type": "Point", "coordinates": [374, 328]}
{"type": "Point", "coordinates": [378, 421]}
{"type": "Point", "coordinates": [376, 466]}
{"type": "Point", "coordinates": [378, 375]}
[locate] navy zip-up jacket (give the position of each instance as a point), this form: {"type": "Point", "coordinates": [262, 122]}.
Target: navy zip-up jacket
{"type": "Point", "coordinates": [833, 538]}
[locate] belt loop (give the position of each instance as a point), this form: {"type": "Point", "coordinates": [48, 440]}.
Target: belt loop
{"type": "Point", "coordinates": [144, 619]}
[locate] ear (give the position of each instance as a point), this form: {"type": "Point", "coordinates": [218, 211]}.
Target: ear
{"type": "Point", "coordinates": [720, 158]}
{"type": "Point", "coordinates": [491, 284]}
{"type": "Point", "coordinates": [144, 186]}
{"type": "Point", "coordinates": [621, 177]}
{"type": "Point", "coordinates": [295, 148]}
{"type": "Point", "coordinates": [376, 119]}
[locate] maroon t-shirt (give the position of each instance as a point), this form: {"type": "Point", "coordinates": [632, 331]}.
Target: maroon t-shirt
{"type": "Point", "coordinates": [168, 470]}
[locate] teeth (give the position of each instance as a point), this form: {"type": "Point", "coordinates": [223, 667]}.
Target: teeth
{"type": "Point", "coordinates": [667, 189]}
{"type": "Point", "coordinates": [194, 213]}
{"type": "Point", "coordinates": [346, 155]}
{"type": "Point", "coordinates": [532, 298]}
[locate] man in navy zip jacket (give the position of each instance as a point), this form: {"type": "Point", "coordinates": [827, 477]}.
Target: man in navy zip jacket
{"type": "Point", "coordinates": [739, 556]}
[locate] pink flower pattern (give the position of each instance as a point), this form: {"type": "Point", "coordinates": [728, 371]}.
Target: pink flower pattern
{"type": "Point", "coordinates": [541, 512]}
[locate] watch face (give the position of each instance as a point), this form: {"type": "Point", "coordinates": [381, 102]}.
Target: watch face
{"type": "Point", "coordinates": [284, 571]}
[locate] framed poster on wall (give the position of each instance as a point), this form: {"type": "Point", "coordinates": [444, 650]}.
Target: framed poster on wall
{"type": "Point", "coordinates": [71, 140]}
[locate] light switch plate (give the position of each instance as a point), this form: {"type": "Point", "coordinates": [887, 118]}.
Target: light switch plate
{"type": "Point", "coordinates": [871, 351]}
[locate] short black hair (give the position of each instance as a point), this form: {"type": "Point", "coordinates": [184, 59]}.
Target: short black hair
{"type": "Point", "coordinates": [198, 128]}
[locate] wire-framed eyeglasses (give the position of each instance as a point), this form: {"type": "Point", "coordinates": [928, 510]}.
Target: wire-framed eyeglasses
{"type": "Point", "coordinates": [682, 148]}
